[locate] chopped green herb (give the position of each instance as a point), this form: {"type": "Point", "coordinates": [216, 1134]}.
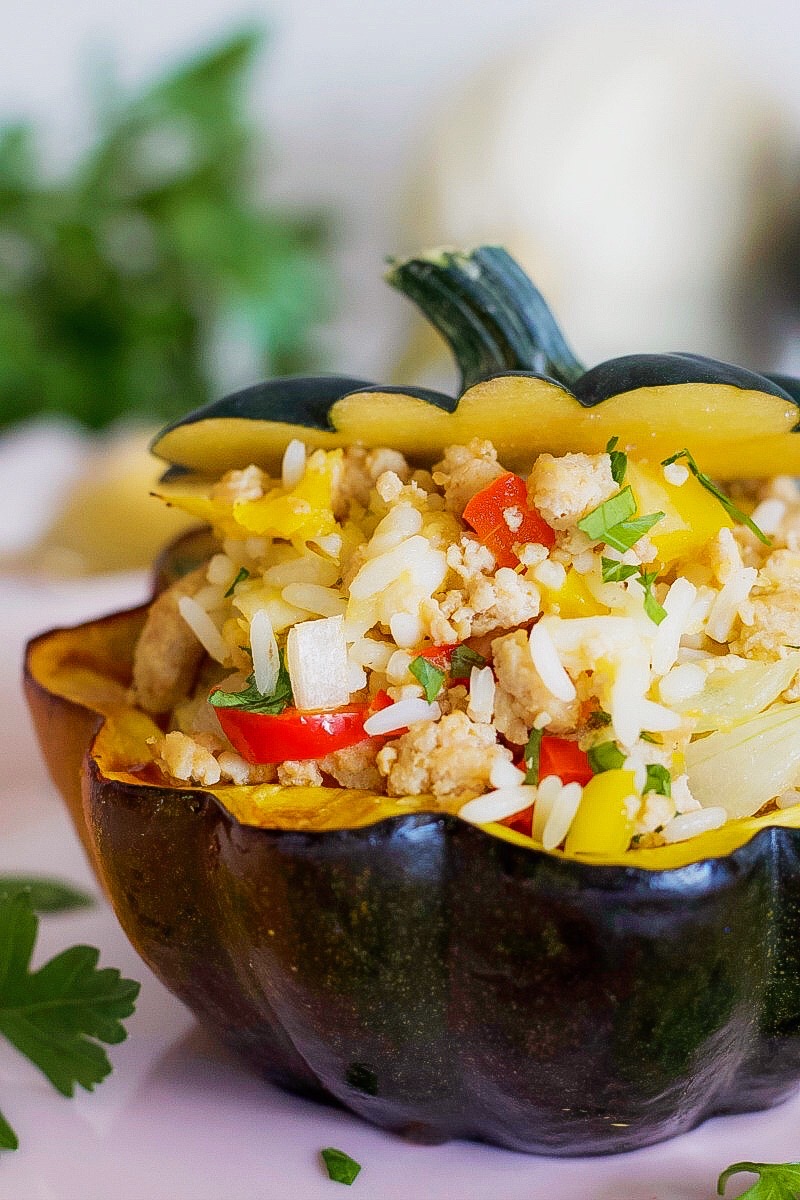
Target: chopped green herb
{"type": "Point", "coordinates": [605, 756]}
{"type": "Point", "coordinates": [241, 575]}
{"type": "Point", "coordinates": [250, 699]}
{"type": "Point", "coordinates": [776, 1181]}
{"type": "Point", "coordinates": [531, 756]}
{"type": "Point", "coordinates": [598, 719]}
{"type": "Point", "coordinates": [59, 1015]}
{"type": "Point", "coordinates": [341, 1167]}
{"type": "Point", "coordinates": [616, 572]}
{"type": "Point", "coordinates": [655, 611]}
{"type": "Point", "coordinates": [462, 660]}
{"type": "Point", "coordinates": [45, 895]}
{"type": "Point", "coordinates": [658, 780]}
{"type": "Point", "coordinates": [619, 461]}
{"type": "Point", "coordinates": [648, 737]}
{"type": "Point", "coordinates": [428, 675]}
{"type": "Point", "coordinates": [734, 512]}
{"type": "Point", "coordinates": [613, 522]}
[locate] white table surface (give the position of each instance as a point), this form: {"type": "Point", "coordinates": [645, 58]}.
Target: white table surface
{"type": "Point", "coordinates": [180, 1119]}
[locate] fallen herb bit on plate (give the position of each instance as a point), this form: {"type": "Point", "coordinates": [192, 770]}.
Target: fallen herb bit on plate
{"type": "Point", "coordinates": [58, 1015]}
{"type": "Point", "coordinates": [776, 1181]}
{"type": "Point", "coordinates": [341, 1167]}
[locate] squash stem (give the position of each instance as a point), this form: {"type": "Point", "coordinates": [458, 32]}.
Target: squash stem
{"type": "Point", "coordinates": [488, 311]}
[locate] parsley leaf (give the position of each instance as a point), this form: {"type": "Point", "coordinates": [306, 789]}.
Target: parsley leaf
{"type": "Point", "coordinates": [341, 1167]}
{"type": "Point", "coordinates": [776, 1181]}
{"type": "Point", "coordinates": [616, 572]}
{"type": "Point", "coordinates": [45, 895]}
{"type": "Point", "coordinates": [655, 611]}
{"type": "Point", "coordinates": [731, 509]}
{"type": "Point", "coordinates": [658, 780]}
{"type": "Point", "coordinates": [619, 461]}
{"type": "Point", "coordinates": [613, 522]}
{"type": "Point", "coordinates": [250, 699]}
{"type": "Point", "coordinates": [428, 675]}
{"type": "Point", "coordinates": [241, 575]}
{"type": "Point", "coordinates": [59, 1015]}
{"type": "Point", "coordinates": [605, 756]}
{"type": "Point", "coordinates": [598, 719]}
{"type": "Point", "coordinates": [462, 660]}
{"type": "Point", "coordinates": [531, 756]}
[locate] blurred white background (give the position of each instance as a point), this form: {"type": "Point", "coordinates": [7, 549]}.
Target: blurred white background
{"type": "Point", "coordinates": [349, 88]}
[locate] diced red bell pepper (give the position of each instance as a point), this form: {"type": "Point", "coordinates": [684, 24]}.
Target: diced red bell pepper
{"type": "Point", "coordinates": [292, 734]}
{"type": "Point", "coordinates": [494, 514]}
{"type": "Point", "coordinates": [564, 758]}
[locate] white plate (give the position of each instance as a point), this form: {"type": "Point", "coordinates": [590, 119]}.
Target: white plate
{"type": "Point", "coordinates": [180, 1119]}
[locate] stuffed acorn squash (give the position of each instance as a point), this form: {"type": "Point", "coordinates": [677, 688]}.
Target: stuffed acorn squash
{"type": "Point", "coordinates": [467, 798]}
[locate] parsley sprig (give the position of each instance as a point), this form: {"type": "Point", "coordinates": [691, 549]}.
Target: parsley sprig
{"type": "Point", "coordinates": [614, 523]}
{"type": "Point", "coordinates": [250, 699]}
{"type": "Point", "coordinates": [428, 675]}
{"type": "Point", "coordinates": [733, 511]}
{"type": "Point", "coordinates": [463, 659]}
{"type": "Point", "coordinates": [616, 572]}
{"type": "Point", "coordinates": [341, 1167]}
{"type": "Point", "coordinates": [619, 461]}
{"type": "Point", "coordinates": [776, 1181]}
{"type": "Point", "coordinates": [59, 1015]}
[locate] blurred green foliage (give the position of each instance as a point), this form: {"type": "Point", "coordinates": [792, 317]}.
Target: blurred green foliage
{"type": "Point", "coordinates": [118, 282]}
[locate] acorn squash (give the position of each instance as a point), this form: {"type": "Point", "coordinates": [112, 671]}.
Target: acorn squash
{"type": "Point", "coordinates": [522, 388]}
{"type": "Point", "coordinates": [438, 979]}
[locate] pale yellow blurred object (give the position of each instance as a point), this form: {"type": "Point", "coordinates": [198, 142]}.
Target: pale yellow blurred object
{"type": "Point", "coordinates": [109, 520]}
{"type": "Point", "coordinates": [637, 170]}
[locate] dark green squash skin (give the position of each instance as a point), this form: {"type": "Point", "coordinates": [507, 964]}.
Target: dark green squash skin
{"type": "Point", "coordinates": [443, 983]}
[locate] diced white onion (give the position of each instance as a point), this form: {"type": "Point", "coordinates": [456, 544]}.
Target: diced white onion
{"type": "Point", "coordinates": [316, 658]}
{"type": "Point", "coordinates": [497, 805]}
{"type": "Point", "coordinates": [293, 464]}
{"type": "Point", "coordinates": [264, 648]}
{"type": "Point", "coordinates": [689, 825]}
{"type": "Point", "coordinates": [204, 629]}
{"type": "Point", "coordinates": [400, 716]}
{"type": "Point", "coordinates": [548, 664]}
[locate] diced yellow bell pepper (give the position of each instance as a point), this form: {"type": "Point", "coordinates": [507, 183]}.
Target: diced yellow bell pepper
{"type": "Point", "coordinates": [692, 515]}
{"type": "Point", "coordinates": [602, 824]}
{"type": "Point", "coordinates": [573, 598]}
{"type": "Point", "coordinates": [301, 514]}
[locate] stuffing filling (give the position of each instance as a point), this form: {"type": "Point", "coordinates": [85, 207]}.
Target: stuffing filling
{"type": "Point", "coordinates": [603, 655]}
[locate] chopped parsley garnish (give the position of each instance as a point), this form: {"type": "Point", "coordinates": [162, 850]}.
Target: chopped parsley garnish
{"type": "Point", "coordinates": [734, 512]}
{"type": "Point", "coordinates": [341, 1167]}
{"type": "Point", "coordinates": [605, 756]}
{"type": "Point", "coordinates": [531, 756]}
{"type": "Point", "coordinates": [250, 699]}
{"type": "Point", "coordinates": [776, 1181]}
{"type": "Point", "coordinates": [658, 780]}
{"type": "Point", "coordinates": [648, 737]}
{"type": "Point", "coordinates": [59, 1015]}
{"type": "Point", "coordinates": [655, 611]}
{"type": "Point", "coordinates": [613, 522]}
{"type": "Point", "coordinates": [619, 461]}
{"type": "Point", "coordinates": [598, 719]}
{"type": "Point", "coordinates": [431, 677]}
{"type": "Point", "coordinates": [462, 660]}
{"type": "Point", "coordinates": [616, 572]}
{"type": "Point", "coordinates": [241, 575]}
